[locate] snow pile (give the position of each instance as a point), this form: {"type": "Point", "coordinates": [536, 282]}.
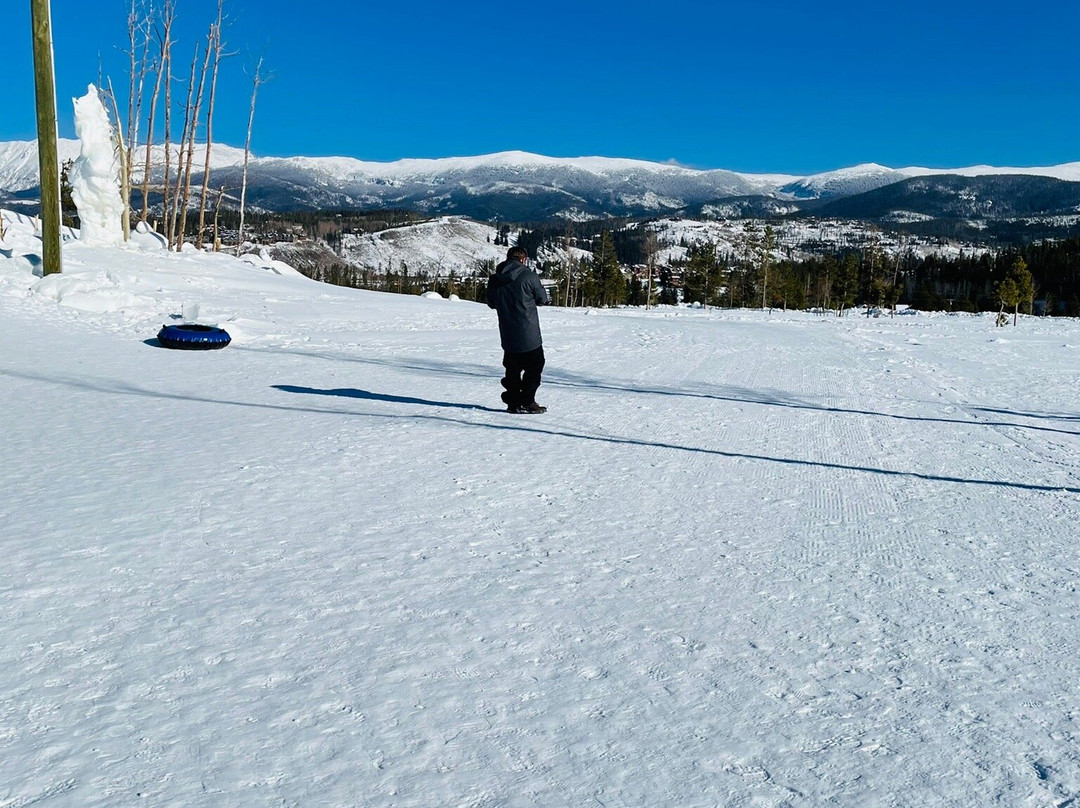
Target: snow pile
{"type": "Point", "coordinates": [263, 260]}
{"type": "Point", "coordinates": [95, 176]}
{"type": "Point", "coordinates": [135, 288]}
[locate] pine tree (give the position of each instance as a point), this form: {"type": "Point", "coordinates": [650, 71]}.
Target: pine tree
{"type": "Point", "coordinates": [845, 283]}
{"type": "Point", "coordinates": [790, 287]}
{"type": "Point", "coordinates": [560, 273]}
{"type": "Point", "coordinates": [768, 245]}
{"type": "Point", "coordinates": [872, 285]}
{"type": "Point", "coordinates": [1007, 295]}
{"type": "Point", "coordinates": [1025, 286]}
{"type": "Point", "coordinates": [751, 248]}
{"type": "Point", "coordinates": [701, 280]}
{"type": "Point", "coordinates": [608, 282]}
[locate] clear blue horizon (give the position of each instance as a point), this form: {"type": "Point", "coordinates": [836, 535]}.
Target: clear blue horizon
{"type": "Point", "coordinates": [782, 87]}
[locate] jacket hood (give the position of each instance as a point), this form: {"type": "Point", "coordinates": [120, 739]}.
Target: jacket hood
{"type": "Point", "coordinates": [505, 273]}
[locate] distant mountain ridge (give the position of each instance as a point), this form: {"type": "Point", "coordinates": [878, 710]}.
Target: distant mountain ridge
{"type": "Point", "coordinates": [943, 196]}
{"type": "Point", "coordinates": [519, 186]}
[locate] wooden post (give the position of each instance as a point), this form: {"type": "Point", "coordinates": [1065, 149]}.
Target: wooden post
{"type": "Point", "coordinates": [48, 162]}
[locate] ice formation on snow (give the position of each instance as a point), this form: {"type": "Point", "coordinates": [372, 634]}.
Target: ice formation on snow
{"type": "Point", "coordinates": [95, 176]}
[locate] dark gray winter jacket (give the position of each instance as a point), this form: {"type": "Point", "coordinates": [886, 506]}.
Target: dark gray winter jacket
{"type": "Point", "coordinates": [515, 291]}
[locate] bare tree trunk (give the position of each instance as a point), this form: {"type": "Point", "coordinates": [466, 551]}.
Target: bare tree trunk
{"type": "Point", "coordinates": [217, 210]}
{"type": "Point", "coordinates": [896, 274]}
{"type": "Point", "coordinates": [164, 46]}
{"type": "Point", "coordinates": [256, 81]}
{"type": "Point", "coordinates": [168, 13]}
{"type": "Point", "coordinates": [126, 155]}
{"type": "Point", "coordinates": [182, 144]}
{"type": "Point", "coordinates": [137, 67]}
{"type": "Point", "coordinates": [125, 168]}
{"type": "Point", "coordinates": [651, 248]}
{"type": "Point", "coordinates": [648, 286]}
{"type": "Point", "coordinates": [150, 145]}
{"type": "Point", "coordinates": [187, 144]}
{"type": "Point", "coordinates": [569, 268]}
{"type": "Point", "coordinates": [135, 77]}
{"type": "Point", "coordinates": [191, 147]}
{"type": "Point", "coordinates": [217, 46]}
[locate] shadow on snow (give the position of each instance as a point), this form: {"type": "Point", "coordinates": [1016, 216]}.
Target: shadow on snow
{"type": "Point", "coordinates": [557, 378]}
{"type": "Point", "coordinates": [133, 390]}
{"type": "Point", "coordinates": [364, 395]}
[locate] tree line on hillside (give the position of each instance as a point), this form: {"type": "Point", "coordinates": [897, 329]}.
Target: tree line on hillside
{"type": "Point", "coordinates": [619, 267]}
{"type": "Point", "coordinates": [613, 263]}
{"type": "Point", "coordinates": [1046, 275]}
{"type": "Point", "coordinates": [399, 279]}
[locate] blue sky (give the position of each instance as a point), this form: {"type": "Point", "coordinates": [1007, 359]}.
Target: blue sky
{"type": "Point", "coordinates": [785, 87]}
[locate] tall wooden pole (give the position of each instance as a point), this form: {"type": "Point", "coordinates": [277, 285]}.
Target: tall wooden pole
{"type": "Point", "coordinates": [48, 162]}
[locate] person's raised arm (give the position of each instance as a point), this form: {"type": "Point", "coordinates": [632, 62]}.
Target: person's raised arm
{"type": "Point", "coordinates": [539, 292]}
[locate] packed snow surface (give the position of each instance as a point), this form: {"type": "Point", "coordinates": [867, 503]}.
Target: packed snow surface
{"type": "Point", "coordinates": [745, 559]}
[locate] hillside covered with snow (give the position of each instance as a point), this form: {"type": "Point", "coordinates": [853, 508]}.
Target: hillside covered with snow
{"type": "Point", "coordinates": [438, 247]}
{"type": "Point", "coordinates": [465, 247]}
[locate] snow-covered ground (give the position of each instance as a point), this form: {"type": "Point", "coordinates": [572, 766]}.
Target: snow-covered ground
{"type": "Point", "coordinates": [438, 247]}
{"type": "Point", "coordinates": [743, 560]}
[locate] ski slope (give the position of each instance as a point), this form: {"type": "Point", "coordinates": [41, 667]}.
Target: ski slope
{"type": "Point", "coordinates": [745, 559]}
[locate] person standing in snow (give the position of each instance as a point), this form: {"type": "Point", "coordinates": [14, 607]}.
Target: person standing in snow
{"type": "Point", "coordinates": [514, 291]}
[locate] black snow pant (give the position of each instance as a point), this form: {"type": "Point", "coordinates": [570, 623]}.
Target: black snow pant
{"type": "Point", "coordinates": [522, 377]}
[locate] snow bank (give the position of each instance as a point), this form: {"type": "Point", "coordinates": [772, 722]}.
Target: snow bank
{"type": "Point", "coordinates": [141, 284]}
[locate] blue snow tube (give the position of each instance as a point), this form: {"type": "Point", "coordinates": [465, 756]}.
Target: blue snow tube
{"type": "Point", "coordinates": [191, 337]}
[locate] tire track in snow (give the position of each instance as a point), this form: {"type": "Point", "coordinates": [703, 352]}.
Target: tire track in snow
{"type": "Point", "coordinates": [960, 414]}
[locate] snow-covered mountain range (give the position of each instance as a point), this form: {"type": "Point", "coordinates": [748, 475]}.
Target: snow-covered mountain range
{"type": "Point", "coordinates": [520, 186]}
